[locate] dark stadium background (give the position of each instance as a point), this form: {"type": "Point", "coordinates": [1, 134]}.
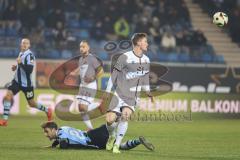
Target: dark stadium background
{"type": "Point", "coordinates": [201, 59]}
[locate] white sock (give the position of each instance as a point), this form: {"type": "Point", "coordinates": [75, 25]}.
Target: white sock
{"type": "Point", "coordinates": [42, 108]}
{"type": "Point", "coordinates": [92, 106]}
{"type": "Point", "coordinates": [111, 129]}
{"type": "Point", "coordinates": [121, 130]}
{"type": "Point", "coordinates": [86, 120]}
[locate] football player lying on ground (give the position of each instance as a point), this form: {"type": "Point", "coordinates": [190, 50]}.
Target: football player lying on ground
{"type": "Point", "coordinates": [68, 137]}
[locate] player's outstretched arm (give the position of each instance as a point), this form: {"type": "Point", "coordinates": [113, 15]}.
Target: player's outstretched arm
{"type": "Point", "coordinates": [54, 144]}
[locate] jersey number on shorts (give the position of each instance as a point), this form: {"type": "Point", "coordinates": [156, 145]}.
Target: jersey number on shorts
{"type": "Point", "coordinates": [29, 94]}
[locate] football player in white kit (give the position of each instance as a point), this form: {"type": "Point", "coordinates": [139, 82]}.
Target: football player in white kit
{"type": "Point", "coordinates": [90, 68]}
{"type": "Point", "coordinates": [131, 75]}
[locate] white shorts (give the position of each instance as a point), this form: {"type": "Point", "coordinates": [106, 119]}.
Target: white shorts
{"type": "Point", "coordinates": [87, 93]}
{"type": "Point", "coordinates": [116, 105]}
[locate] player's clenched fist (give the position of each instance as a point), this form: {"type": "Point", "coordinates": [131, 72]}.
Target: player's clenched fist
{"type": "Point", "coordinates": [14, 67]}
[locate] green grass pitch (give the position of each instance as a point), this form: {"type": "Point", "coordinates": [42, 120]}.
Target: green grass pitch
{"type": "Point", "coordinates": [200, 139]}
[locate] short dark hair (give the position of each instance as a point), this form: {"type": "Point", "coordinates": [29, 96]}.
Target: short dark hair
{"type": "Point", "coordinates": [137, 36]}
{"type": "Point", "coordinates": [51, 125]}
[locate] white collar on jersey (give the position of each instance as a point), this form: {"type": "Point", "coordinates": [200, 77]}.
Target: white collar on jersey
{"type": "Point", "coordinates": [136, 55]}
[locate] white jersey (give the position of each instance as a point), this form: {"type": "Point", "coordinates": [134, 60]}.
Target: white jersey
{"type": "Point", "coordinates": [133, 76]}
{"type": "Point", "coordinates": [88, 66]}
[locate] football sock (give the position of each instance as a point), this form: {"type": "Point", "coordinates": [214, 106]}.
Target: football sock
{"type": "Point", "coordinates": [7, 106]}
{"type": "Point", "coordinates": [92, 106]}
{"type": "Point", "coordinates": [121, 130]}
{"type": "Point", "coordinates": [111, 128]}
{"type": "Point", "coordinates": [42, 108]}
{"type": "Point", "coordinates": [86, 120]}
{"type": "Point", "coordinates": [130, 144]}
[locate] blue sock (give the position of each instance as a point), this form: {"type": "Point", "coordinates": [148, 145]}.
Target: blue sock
{"type": "Point", "coordinates": [42, 108]}
{"type": "Point", "coordinates": [7, 106]}
{"type": "Point", "coordinates": [130, 144]}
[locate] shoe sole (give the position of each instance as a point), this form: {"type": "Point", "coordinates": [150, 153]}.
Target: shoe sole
{"type": "Point", "coordinates": [147, 144]}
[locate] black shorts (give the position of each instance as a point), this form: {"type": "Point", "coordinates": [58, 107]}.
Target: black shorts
{"type": "Point", "coordinates": [15, 88]}
{"type": "Point", "coordinates": [99, 136]}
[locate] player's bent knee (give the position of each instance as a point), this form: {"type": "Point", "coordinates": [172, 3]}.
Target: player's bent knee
{"type": "Point", "coordinates": [126, 114]}
{"type": "Point", "coordinates": [82, 108]}
{"type": "Point", "coordinates": [32, 103]}
{"type": "Point", "coordinates": [8, 96]}
{"type": "Point", "coordinates": [111, 118]}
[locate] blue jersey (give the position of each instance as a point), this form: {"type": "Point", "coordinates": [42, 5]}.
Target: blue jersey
{"type": "Point", "coordinates": [23, 76]}
{"type": "Point", "coordinates": [73, 135]}
{"type": "Point", "coordinates": [68, 137]}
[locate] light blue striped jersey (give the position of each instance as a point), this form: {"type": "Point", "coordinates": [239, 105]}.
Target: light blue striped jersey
{"type": "Point", "coordinates": [22, 77]}
{"type": "Point", "coordinates": [73, 135]}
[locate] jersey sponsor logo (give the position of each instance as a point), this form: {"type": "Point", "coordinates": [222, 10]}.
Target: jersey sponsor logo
{"type": "Point", "coordinates": [137, 74]}
{"type": "Point", "coordinates": [85, 66]}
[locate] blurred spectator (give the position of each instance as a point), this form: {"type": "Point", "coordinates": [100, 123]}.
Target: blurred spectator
{"type": "Point", "coordinates": [155, 30]}
{"type": "Point", "coordinates": [198, 38]}
{"type": "Point", "coordinates": [59, 35]}
{"type": "Point", "coordinates": [29, 17]}
{"type": "Point", "coordinates": [54, 17]}
{"type": "Point", "coordinates": [109, 28]}
{"type": "Point", "coordinates": [143, 25]}
{"type": "Point", "coordinates": [188, 38]}
{"type": "Point", "coordinates": [184, 13]}
{"type": "Point", "coordinates": [57, 27]}
{"type": "Point", "coordinates": [121, 28]}
{"type": "Point", "coordinates": [10, 14]}
{"type": "Point", "coordinates": [168, 41]}
{"type": "Point", "coordinates": [72, 43]}
{"type": "Point", "coordinates": [180, 39]}
{"type": "Point", "coordinates": [4, 4]}
{"type": "Point", "coordinates": [125, 9]}
{"type": "Point", "coordinates": [37, 37]}
{"type": "Point", "coordinates": [97, 31]}
{"type": "Point", "coordinates": [160, 12]}
{"type": "Point", "coordinates": [234, 25]}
